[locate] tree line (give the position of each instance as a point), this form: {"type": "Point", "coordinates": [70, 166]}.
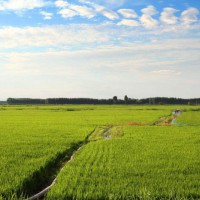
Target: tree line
{"type": "Point", "coordinates": [2, 102]}
{"type": "Point", "coordinates": [114, 100]}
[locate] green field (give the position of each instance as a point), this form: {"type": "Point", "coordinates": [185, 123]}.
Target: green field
{"type": "Point", "coordinates": [189, 118]}
{"type": "Point", "coordinates": [139, 159]}
{"type": "Point", "coordinates": [147, 162]}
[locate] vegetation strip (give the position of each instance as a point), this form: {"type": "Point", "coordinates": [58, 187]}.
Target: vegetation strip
{"type": "Point", "coordinates": [52, 169]}
{"type": "Point", "coordinates": [188, 118]}
{"type": "Point", "coordinates": [36, 141]}
{"type": "Point", "coordinates": [73, 150]}
{"type": "Point", "coordinates": [105, 134]}
{"type": "Point", "coordinates": [167, 120]}
{"type": "Point", "coordinates": [33, 136]}
{"type": "Point", "coordinates": [44, 192]}
{"type": "Point", "coordinates": [148, 162]}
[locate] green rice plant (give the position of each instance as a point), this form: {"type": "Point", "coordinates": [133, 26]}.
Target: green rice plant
{"type": "Point", "coordinates": [31, 142]}
{"type": "Point", "coordinates": [189, 118]}
{"type": "Point", "coordinates": [34, 138]}
{"type": "Point", "coordinates": [146, 163]}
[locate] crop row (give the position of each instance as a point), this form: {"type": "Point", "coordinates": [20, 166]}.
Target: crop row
{"type": "Point", "coordinates": [32, 138]}
{"type": "Point", "coordinates": [146, 163]}
{"type": "Point", "coordinates": [189, 118]}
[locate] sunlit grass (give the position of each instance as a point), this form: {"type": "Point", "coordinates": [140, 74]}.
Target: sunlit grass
{"type": "Point", "coordinates": [189, 118]}
{"type": "Point", "coordinates": [146, 163]}
{"type": "Point", "coordinates": [31, 137]}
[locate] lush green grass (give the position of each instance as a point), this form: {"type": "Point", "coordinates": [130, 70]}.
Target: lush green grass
{"type": "Point", "coordinates": [189, 118]}
{"type": "Point", "coordinates": [146, 163]}
{"type": "Point", "coordinates": [32, 137]}
{"type": "Point", "coordinates": [30, 140]}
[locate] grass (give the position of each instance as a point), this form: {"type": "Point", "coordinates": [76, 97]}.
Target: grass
{"type": "Point", "coordinates": [146, 163]}
{"type": "Point", "coordinates": [189, 118]}
{"type": "Point", "coordinates": [36, 139]}
{"type": "Point", "coordinates": [30, 142]}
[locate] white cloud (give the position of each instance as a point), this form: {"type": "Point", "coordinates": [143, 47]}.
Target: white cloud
{"type": "Point", "coordinates": [128, 22]}
{"type": "Point", "coordinates": [135, 67]}
{"type": "Point", "coordinates": [17, 5]}
{"type": "Point", "coordinates": [11, 37]}
{"type": "Point", "coordinates": [128, 13]}
{"type": "Point", "coordinates": [166, 72]}
{"type": "Point", "coordinates": [143, 55]}
{"type": "Point", "coordinates": [109, 4]}
{"type": "Point", "coordinates": [110, 14]}
{"type": "Point", "coordinates": [71, 10]}
{"type": "Point", "coordinates": [46, 15]}
{"type": "Point", "coordinates": [168, 17]}
{"type": "Point", "coordinates": [106, 12]}
{"type": "Point", "coordinates": [67, 13]}
{"type": "Point", "coordinates": [61, 3]}
{"type": "Point", "coordinates": [146, 18]}
{"type": "Point", "coordinates": [84, 35]}
{"type": "Point", "coordinates": [1, 7]}
{"type": "Point", "coordinates": [189, 16]}
{"type": "Point", "coordinates": [83, 11]}
{"type": "Point", "coordinates": [148, 22]}
{"type": "Point", "coordinates": [149, 10]}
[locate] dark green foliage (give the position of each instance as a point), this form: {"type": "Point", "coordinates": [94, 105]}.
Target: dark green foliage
{"type": "Point", "coordinates": [114, 100]}
{"type": "Point", "coordinates": [17, 101]}
{"type": "Point", "coordinates": [126, 100]}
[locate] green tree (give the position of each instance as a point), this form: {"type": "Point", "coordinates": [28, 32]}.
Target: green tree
{"type": "Point", "coordinates": [126, 99]}
{"type": "Point", "coordinates": [115, 99]}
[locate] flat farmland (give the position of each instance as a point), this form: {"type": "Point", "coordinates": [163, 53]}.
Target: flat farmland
{"type": "Point", "coordinates": [133, 158]}
{"type": "Point", "coordinates": [146, 163]}
{"type": "Point", "coordinates": [190, 118]}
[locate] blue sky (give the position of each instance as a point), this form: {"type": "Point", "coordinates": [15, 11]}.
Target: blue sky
{"type": "Point", "coordinates": [99, 48]}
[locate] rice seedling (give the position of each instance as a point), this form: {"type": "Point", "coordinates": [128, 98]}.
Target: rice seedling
{"type": "Point", "coordinates": [36, 140]}
{"type": "Point", "coordinates": [145, 163]}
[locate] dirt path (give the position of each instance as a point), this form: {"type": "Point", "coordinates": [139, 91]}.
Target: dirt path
{"type": "Point", "coordinates": [107, 135]}
{"type": "Point", "coordinates": [168, 120]}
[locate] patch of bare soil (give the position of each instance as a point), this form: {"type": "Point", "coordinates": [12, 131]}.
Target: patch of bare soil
{"type": "Point", "coordinates": [132, 124]}
{"type": "Point", "coordinates": [166, 122]}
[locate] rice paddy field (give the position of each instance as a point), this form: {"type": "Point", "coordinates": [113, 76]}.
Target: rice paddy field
{"type": "Point", "coordinates": [126, 153]}
{"type": "Point", "coordinates": [190, 118]}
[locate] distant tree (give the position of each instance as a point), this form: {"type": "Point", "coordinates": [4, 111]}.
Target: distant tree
{"type": "Point", "coordinates": [126, 99]}
{"type": "Point", "coordinates": [9, 100]}
{"type": "Point", "coordinates": [46, 101]}
{"type": "Point", "coordinates": [19, 101]}
{"type": "Point", "coordinates": [115, 99]}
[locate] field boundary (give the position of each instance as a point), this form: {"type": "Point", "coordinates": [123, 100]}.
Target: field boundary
{"type": "Point", "coordinates": [38, 191]}
{"type": "Point", "coordinates": [44, 191]}
{"type": "Point", "coordinates": [44, 179]}
{"type": "Point", "coordinates": [105, 133]}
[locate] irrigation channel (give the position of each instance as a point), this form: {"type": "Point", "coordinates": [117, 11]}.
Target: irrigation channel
{"type": "Point", "coordinates": [103, 132]}
{"type": "Point", "coordinates": [42, 193]}
{"type": "Point", "coordinates": [100, 132]}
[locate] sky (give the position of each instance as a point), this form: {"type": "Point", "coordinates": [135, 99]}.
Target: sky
{"type": "Point", "coordinates": [99, 48]}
